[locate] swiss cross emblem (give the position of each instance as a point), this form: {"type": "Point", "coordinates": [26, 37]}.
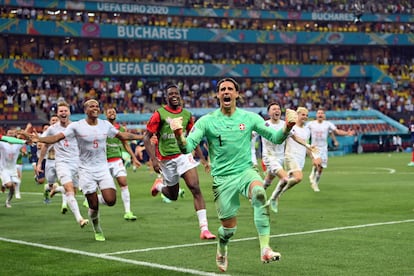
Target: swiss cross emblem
{"type": "Point", "coordinates": [242, 126]}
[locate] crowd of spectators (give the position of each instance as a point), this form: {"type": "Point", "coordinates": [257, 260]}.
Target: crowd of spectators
{"type": "Point", "coordinates": [381, 6]}
{"type": "Point", "coordinates": [147, 51]}
{"type": "Point", "coordinates": [140, 95]}
{"type": "Point", "coordinates": [277, 24]}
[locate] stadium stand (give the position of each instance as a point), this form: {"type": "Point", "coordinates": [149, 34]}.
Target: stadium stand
{"type": "Point", "coordinates": [124, 53]}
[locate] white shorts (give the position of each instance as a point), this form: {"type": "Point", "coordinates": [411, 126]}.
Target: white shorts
{"type": "Point", "coordinates": [273, 164]}
{"type": "Point", "coordinates": [19, 168]}
{"type": "Point", "coordinates": [68, 172]}
{"type": "Point", "coordinates": [117, 168]}
{"type": "Point", "coordinates": [292, 164]}
{"type": "Point", "coordinates": [173, 169]}
{"type": "Point", "coordinates": [90, 182]}
{"type": "Point", "coordinates": [8, 176]}
{"type": "Point", "coordinates": [50, 171]}
{"type": "Point", "coordinates": [323, 153]}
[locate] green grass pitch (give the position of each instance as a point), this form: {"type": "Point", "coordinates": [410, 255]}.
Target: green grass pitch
{"type": "Point", "coordinates": [361, 223]}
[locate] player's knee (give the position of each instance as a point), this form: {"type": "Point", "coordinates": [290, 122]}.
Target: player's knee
{"type": "Point", "coordinates": [111, 201]}
{"type": "Point", "coordinates": [298, 178]}
{"type": "Point", "coordinates": [258, 195]}
{"type": "Point", "coordinates": [194, 189]}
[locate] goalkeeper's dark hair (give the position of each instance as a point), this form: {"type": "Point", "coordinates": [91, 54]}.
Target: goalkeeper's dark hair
{"type": "Point", "coordinates": [236, 84]}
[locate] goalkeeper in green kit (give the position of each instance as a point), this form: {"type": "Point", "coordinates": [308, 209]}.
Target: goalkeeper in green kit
{"type": "Point", "coordinates": [228, 131]}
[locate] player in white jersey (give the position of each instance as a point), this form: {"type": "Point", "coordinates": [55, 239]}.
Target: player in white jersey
{"type": "Point", "coordinates": [320, 129]}
{"type": "Point", "coordinates": [35, 149]}
{"type": "Point", "coordinates": [253, 143]}
{"type": "Point", "coordinates": [291, 154]}
{"type": "Point", "coordinates": [91, 134]}
{"type": "Point", "coordinates": [50, 168]}
{"type": "Point", "coordinates": [19, 165]}
{"type": "Point", "coordinates": [8, 173]}
{"type": "Point", "coordinates": [66, 162]}
{"type": "Point", "coordinates": [273, 154]}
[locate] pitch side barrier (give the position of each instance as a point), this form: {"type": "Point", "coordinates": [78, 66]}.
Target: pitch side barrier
{"type": "Point", "coordinates": [370, 125]}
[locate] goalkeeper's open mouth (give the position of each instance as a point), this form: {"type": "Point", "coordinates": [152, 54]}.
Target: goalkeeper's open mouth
{"type": "Point", "coordinates": [226, 100]}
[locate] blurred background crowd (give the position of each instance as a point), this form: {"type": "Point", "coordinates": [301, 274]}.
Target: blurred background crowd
{"type": "Point", "coordinates": [39, 94]}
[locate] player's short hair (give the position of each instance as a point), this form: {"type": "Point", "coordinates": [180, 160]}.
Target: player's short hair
{"type": "Point", "coordinates": [236, 84]}
{"type": "Point", "coordinates": [111, 107]}
{"type": "Point", "coordinates": [302, 109]}
{"type": "Point", "coordinates": [86, 104]}
{"type": "Point", "coordinates": [62, 103]}
{"type": "Point", "coordinates": [172, 85]}
{"type": "Point", "coordinates": [272, 104]}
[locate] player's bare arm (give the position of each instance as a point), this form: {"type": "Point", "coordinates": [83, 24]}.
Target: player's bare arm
{"type": "Point", "coordinates": [150, 148]}
{"type": "Point", "coordinates": [43, 151]}
{"type": "Point", "coordinates": [128, 148]}
{"type": "Point", "coordinates": [128, 136]}
{"type": "Point", "coordinates": [35, 138]}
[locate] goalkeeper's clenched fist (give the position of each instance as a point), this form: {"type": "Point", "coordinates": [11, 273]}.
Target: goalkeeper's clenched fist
{"type": "Point", "coordinates": [176, 124]}
{"type": "Point", "coordinates": [291, 116]}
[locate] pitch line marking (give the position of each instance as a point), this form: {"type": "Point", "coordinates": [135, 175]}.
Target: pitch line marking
{"type": "Point", "coordinates": [390, 170]}
{"type": "Point", "coordinates": [107, 256]}
{"type": "Point", "coordinates": [113, 258]}
{"type": "Point", "coordinates": [255, 238]}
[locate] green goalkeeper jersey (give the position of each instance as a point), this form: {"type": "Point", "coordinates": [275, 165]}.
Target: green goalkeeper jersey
{"type": "Point", "coordinates": [229, 139]}
{"type": "Point", "coordinates": [114, 146]}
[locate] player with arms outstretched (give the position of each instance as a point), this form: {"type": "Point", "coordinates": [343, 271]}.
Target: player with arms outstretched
{"type": "Point", "coordinates": [228, 131]}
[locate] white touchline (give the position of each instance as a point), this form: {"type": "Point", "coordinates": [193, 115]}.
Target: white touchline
{"type": "Point", "coordinates": [390, 170]}
{"type": "Point", "coordinates": [107, 256]}
{"type": "Point", "coordinates": [113, 258]}
{"type": "Point", "coordinates": [254, 238]}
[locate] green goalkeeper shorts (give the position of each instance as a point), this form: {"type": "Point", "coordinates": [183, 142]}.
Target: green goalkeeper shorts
{"type": "Point", "coordinates": [227, 190]}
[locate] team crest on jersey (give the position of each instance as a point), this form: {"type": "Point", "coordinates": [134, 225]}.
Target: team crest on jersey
{"type": "Point", "coordinates": [242, 126]}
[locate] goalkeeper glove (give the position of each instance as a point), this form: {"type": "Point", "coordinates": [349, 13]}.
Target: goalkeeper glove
{"type": "Point", "coordinates": [291, 118]}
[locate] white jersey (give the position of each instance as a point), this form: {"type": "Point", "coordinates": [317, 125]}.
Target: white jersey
{"type": "Point", "coordinates": [253, 147]}
{"type": "Point", "coordinates": [43, 134]}
{"type": "Point", "coordinates": [294, 150]}
{"type": "Point", "coordinates": [66, 150]}
{"type": "Point", "coordinates": [270, 149]}
{"type": "Point", "coordinates": [320, 133]}
{"type": "Point", "coordinates": [92, 143]}
{"type": "Point", "coordinates": [9, 155]}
